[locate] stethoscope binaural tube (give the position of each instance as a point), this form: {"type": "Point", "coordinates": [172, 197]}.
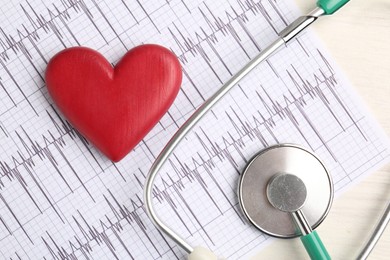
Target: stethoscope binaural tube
{"type": "Point", "coordinates": [324, 7]}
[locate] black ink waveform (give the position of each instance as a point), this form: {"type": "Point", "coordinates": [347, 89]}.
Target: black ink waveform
{"type": "Point", "coordinates": [59, 133]}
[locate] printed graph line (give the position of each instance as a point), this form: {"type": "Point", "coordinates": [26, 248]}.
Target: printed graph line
{"type": "Point", "coordinates": [97, 205]}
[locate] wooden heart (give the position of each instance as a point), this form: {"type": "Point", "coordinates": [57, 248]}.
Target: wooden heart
{"type": "Point", "coordinates": [114, 107]}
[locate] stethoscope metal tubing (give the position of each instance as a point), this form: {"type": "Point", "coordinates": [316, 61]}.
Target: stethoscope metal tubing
{"type": "Point", "coordinates": [285, 36]}
{"type": "Point", "coordinates": [380, 228]}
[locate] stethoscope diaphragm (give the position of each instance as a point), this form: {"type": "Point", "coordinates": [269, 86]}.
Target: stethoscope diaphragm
{"type": "Point", "coordinates": [284, 160]}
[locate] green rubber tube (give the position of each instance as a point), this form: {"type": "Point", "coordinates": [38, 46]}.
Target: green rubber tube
{"type": "Point", "coordinates": [314, 246]}
{"type": "Point", "coordinates": [331, 6]}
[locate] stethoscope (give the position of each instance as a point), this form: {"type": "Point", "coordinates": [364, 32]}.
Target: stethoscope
{"type": "Point", "coordinates": [278, 184]}
{"type": "Point", "coordinates": [276, 191]}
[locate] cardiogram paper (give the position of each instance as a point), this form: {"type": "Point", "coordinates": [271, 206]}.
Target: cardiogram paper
{"type": "Point", "coordinates": [61, 199]}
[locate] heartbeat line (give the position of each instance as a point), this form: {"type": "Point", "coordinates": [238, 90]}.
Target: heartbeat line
{"type": "Point", "coordinates": [60, 199]}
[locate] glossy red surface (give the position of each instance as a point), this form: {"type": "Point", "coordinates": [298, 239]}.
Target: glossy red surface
{"type": "Point", "coordinates": [114, 107]}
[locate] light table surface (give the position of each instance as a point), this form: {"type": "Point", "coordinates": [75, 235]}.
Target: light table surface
{"type": "Point", "coordinates": [358, 37]}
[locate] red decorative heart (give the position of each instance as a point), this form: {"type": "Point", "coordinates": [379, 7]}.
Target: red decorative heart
{"type": "Point", "coordinates": [114, 107]}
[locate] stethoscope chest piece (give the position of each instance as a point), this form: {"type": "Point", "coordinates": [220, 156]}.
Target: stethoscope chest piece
{"type": "Point", "coordinates": [283, 181]}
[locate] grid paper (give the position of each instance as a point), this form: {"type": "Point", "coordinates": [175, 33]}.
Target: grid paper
{"type": "Point", "coordinates": [61, 199]}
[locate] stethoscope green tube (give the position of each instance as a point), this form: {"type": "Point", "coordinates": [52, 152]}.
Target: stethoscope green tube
{"type": "Point", "coordinates": [314, 246]}
{"type": "Point", "coordinates": [331, 6]}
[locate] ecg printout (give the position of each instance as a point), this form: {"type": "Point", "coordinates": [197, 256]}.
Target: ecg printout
{"type": "Point", "coordinates": [61, 199]}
